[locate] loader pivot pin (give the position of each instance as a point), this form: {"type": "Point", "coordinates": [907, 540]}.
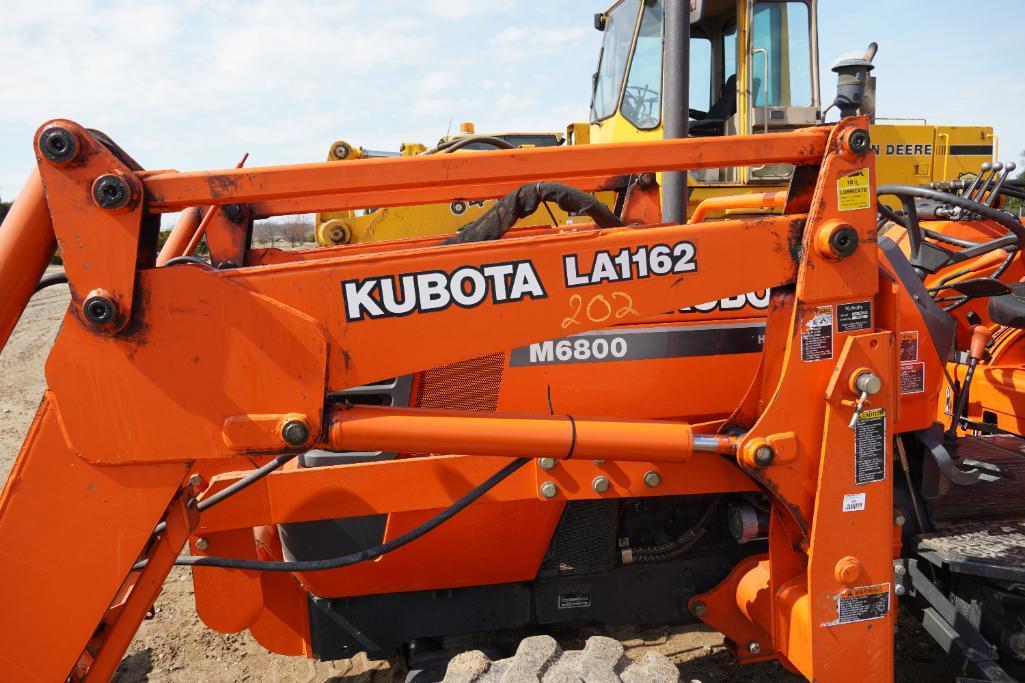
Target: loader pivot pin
{"type": "Point", "coordinates": [865, 384]}
{"type": "Point", "coordinates": [59, 145]}
{"type": "Point", "coordinates": [111, 192]}
{"type": "Point", "coordinates": [295, 433]}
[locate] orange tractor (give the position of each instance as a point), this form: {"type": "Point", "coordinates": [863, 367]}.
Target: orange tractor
{"type": "Point", "coordinates": [440, 442]}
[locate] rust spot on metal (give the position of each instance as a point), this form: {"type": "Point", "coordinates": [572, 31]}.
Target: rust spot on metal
{"type": "Point", "coordinates": [222, 185]}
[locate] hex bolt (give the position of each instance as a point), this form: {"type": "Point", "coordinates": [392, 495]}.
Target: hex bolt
{"type": "Point", "coordinates": [111, 192]}
{"type": "Point", "coordinates": [99, 310]}
{"type": "Point", "coordinates": [898, 589]}
{"type": "Point", "coordinates": [652, 478]}
{"type": "Point", "coordinates": [764, 455]}
{"type": "Point", "coordinates": [899, 519]}
{"type": "Point", "coordinates": [295, 433]}
{"type": "Point", "coordinates": [754, 647]}
{"type": "Point", "coordinates": [699, 609]}
{"type": "Point", "coordinates": [647, 181]}
{"type": "Point", "coordinates": [549, 489]}
{"type": "Point", "coordinates": [196, 480]}
{"type": "Point", "coordinates": [202, 544]}
{"type": "Point", "coordinates": [899, 569]}
{"type": "Point", "coordinates": [859, 141]}
{"type": "Point", "coordinates": [59, 145]}
{"type": "Point", "coordinates": [546, 463]}
{"type": "Point", "coordinates": [600, 484]}
{"type": "Point", "coordinates": [233, 212]}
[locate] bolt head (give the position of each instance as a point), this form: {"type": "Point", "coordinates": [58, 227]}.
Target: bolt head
{"type": "Point", "coordinates": [196, 480]}
{"type": "Point", "coordinates": [843, 241]}
{"type": "Point", "coordinates": [341, 151]}
{"type": "Point", "coordinates": [202, 544]}
{"type": "Point", "coordinates": [111, 192]}
{"type": "Point", "coordinates": [600, 484]}
{"type": "Point", "coordinates": [652, 478]}
{"type": "Point", "coordinates": [546, 463]}
{"type": "Point", "coordinates": [898, 589]}
{"type": "Point", "coordinates": [549, 489]}
{"type": "Point", "coordinates": [859, 141]}
{"type": "Point", "coordinates": [59, 145]}
{"type": "Point", "coordinates": [99, 310]}
{"type": "Point", "coordinates": [764, 455]}
{"type": "Point", "coordinates": [698, 608]}
{"type": "Point", "coordinates": [754, 647]}
{"type": "Point", "coordinates": [233, 212]}
{"type": "Point", "coordinates": [295, 433]}
{"type": "Point", "coordinates": [899, 519]}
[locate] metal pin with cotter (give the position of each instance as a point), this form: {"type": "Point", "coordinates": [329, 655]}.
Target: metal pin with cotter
{"type": "Point", "coordinates": [865, 384]}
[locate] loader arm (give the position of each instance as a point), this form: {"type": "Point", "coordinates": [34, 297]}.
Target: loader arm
{"type": "Point", "coordinates": [160, 373]}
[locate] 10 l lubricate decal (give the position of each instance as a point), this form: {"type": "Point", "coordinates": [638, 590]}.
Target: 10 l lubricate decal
{"type": "Point", "coordinates": [853, 191]}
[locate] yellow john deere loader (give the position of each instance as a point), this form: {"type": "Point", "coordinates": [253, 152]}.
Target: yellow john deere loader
{"type": "Point", "coordinates": [753, 69]}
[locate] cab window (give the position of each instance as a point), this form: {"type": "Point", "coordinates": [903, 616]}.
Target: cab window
{"type": "Point", "coordinates": [615, 51]}
{"type": "Point", "coordinates": [642, 97]}
{"type": "Point", "coordinates": [781, 73]}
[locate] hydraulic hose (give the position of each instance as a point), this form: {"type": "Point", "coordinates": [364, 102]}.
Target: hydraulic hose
{"type": "Point", "coordinates": [988, 212]}
{"type": "Point", "coordinates": [453, 145]}
{"type": "Point", "coordinates": [51, 280]}
{"type": "Point", "coordinates": [362, 555]}
{"type": "Point", "coordinates": [520, 203]}
{"type": "Point", "coordinates": [675, 548]}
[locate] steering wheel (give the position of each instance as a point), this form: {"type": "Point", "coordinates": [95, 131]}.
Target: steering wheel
{"type": "Point", "coordinates": [639, 101]}
{"type": "Point", "coordinates": [919, 255]}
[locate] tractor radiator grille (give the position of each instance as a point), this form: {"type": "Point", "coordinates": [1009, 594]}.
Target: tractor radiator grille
{"type": "Point", "coordinates": [585, 540]}
{"type": "Point", "coordinates": [467, 385]}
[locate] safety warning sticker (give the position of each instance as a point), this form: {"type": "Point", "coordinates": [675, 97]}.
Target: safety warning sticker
{"type": "Point", "coordinates": [863, 603]}
{"type": "Point", "coordinates": [817, 334]}
{"type": "Point", "coordinates": [853, 317]}
{"type": "Point", "coordinates": [870, 447]}
{"type": "Point", "coordinates": [908, 346]}
{"type": "Point", "coordinates": [854, 502]}
{"type": "Point", "coordinates": [853, 191]}
{"type": "Point", "coordinates": [912, 378]}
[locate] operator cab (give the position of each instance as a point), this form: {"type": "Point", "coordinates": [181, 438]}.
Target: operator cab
{"type": "Point", "coordinates": [765, 81]}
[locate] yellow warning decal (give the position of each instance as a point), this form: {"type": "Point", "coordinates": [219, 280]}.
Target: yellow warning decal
{"type": "Point", "coordinates": [853, 191]}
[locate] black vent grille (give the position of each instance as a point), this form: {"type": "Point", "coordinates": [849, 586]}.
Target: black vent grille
{"type": "Point", "coordinates": [585, 540]}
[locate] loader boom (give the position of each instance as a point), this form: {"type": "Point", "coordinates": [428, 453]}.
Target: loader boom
{"type": "Point", "coordinates": [161, 373]}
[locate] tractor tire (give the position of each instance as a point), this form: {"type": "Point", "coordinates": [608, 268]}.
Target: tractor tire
{"type": "Point", "coordinates": [539, 658]}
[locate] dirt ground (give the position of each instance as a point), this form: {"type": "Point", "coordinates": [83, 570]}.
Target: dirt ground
{"type": "Point", "coordinates": [176, 646]}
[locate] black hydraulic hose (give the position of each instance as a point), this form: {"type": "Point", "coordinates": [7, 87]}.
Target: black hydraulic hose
{"type": "Point", "coordinates": [996, 215]}
{"type": "Point", "coordinates": [51, 280]}
{"type": "Point", "coordinates": [362, 555]}
{"type": "Point", "coordinates": [675, 548]}
{"type": "Point", "coordinates": [245, 482]}
{"type": "Point", "coordinates": [194, 260]}
{"type": "Point", "coordinates": [520, 203]}
{"type": "Point", "coordinates": [459, 143]}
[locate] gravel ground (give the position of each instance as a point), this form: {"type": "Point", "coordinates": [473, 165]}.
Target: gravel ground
{"type": "Point", "coordinates": [176, 646]}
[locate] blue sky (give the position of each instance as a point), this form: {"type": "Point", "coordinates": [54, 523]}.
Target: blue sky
{"type": "Point", "coordinates": [194, 84]}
